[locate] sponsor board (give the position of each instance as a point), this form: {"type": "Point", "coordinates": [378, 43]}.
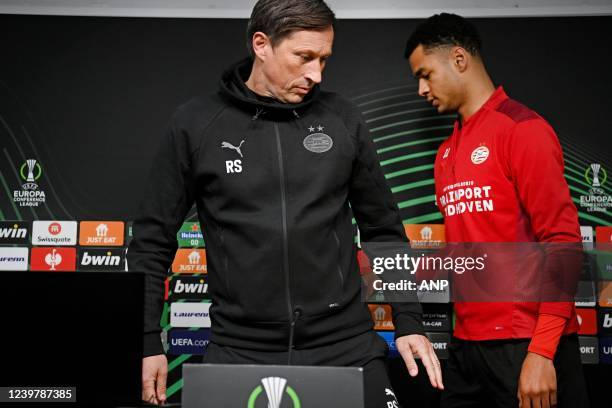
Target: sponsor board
{"type": "Point", "coordinates": [603, 235]}
{"type": "Point", "coordinates": [605, 350]}
{"type": "Point", "coordinates": [389, 338]}
{"type": "Point", "coordinates": [605, 321]}
{"type": "Point", "coordinates": [101, 259]}
{"type": "Point", "coordinates": [425, 235]}
{"type": "Point", "coordinates": [128, 232]}
{"type": "Point", "coordinates": [101, 233]}
{"type": "Point", "coordinates": [589, 350]}
{"type": "Point", "coordinates": [13, 259]}
{"type": "Point", "coordinates": [189, 261]}
{"type": "Point", "coordinates": [189, 314]}
{"type": "Point", "coordinates": [188, 341]}
{"type": "Point", "coordinates": [605, 294]}
{"type": "Point", "coordinates": [382, 317]}
{"type": "Point", "coordinates": [14, 233]}
{"type": "Point", "coordinates": [587, 321]}
{"type": "Point", "coordinates": [53, 259]}
{"type": "Point", "coordinates": [436, 318]}
{"type": "Point", "coordinates": [586, 231]}
{"type": "Point", "coordinates": [189, 287]}
{"type": "Point", "coordinates": [54, 233]}
{"type": "Point", "coordinates": [190, 236]}
{"type": "Point", "coordinates": [585, 296]}
{"type": "Point", "coordinates": [440, 342]}
{"type": "Point", "coordinates": [604, 265]}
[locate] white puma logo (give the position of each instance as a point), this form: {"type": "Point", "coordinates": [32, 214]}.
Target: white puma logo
{"type": "Point", "coordinates": [389, 392]}
{"type": "Point", "coordinates": [228, 145]}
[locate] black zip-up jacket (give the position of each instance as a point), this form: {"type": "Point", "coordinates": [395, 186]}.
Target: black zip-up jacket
{"type": "Point", "coordinates": [272, 183]}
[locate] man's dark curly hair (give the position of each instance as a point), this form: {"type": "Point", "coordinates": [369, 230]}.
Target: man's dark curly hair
{"type": "Point", "coordinates": [444, 30]}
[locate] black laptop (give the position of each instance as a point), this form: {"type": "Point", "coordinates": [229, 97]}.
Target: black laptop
{"type": "Point", "coordinates": [72, 329]}
{"type": "Point", "coordinates": [267, 386]}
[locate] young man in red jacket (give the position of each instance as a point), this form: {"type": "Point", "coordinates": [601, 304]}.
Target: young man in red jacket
{"type": "Point", "coordinates": [503, 354]}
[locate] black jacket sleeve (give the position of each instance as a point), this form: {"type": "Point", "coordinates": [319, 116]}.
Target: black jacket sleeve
{"type": "Point", "coordinates": [378, 216]}
{"type": "Point", "coordinates": [169, 195]}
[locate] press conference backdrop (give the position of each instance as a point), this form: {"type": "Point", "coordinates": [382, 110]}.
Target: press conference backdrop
{"type": "Point", "coordinates": [84, 103]}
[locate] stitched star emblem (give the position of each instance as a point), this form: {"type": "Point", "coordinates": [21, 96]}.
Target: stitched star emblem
{"type": "Point", "coordinates": [320, 128]}
{"type": "Point", "coordinates": [311, 129]}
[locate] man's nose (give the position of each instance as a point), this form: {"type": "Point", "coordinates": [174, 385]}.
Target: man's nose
{"type": "Point", "coordinates": [314, 73]}
{"type": "Point", "coordinates": [423, 87]}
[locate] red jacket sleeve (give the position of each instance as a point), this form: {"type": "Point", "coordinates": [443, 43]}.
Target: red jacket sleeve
{"type": "Point", "coordinates": [536, 167]}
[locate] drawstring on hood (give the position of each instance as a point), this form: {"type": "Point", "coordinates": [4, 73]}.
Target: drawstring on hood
{"type": "Point", "coordinates": [258, 111]}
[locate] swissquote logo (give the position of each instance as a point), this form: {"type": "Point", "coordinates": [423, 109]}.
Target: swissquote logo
{"type": "Point", "coordinates": [57, 233]}
{"type": "Point", "coordinates": [233, 166]}
{"type": "Point", "coordinates": [53, 259]}
{"type": "Point", "coordinates": [275, 388]}
{"type": "Point", "coordinates": [14, 232]}
{"type": "Point", "coordinates": [13, 259]}
{"type": "Point", "coordinates": [98, 259]}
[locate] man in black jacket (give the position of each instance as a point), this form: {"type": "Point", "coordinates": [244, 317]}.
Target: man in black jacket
{"type": "Point", "coordinates": [272, 163]}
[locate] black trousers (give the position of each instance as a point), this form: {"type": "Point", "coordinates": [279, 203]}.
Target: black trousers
{"type": "Point", "coordinates": [367, 350]}
{"type": "Point", "coordinates": [486, 374]}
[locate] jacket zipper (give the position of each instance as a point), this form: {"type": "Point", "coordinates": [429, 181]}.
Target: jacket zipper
{"type": "Point", "coordinates": [281, 168]}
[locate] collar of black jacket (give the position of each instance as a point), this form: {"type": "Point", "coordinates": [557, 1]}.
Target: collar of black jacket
{"type": "Point", "coordinates": [232, 86]}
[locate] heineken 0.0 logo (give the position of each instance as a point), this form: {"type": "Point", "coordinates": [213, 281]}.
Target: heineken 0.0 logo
{"type": "Point", "coordinates": [276, 388]}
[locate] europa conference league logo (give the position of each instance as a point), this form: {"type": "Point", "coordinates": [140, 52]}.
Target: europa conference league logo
{"type": "Point", "coordinates": [597, 200]}
{"type": "Point", "coordinates": [275, 389]}
{"type": "Point", "coordinates": [30, 195]}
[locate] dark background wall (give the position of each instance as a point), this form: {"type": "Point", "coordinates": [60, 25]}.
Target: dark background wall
{"type": "Point", "coordinates": [93, 95]}
{"type": "Point", "coordinates": [89, 98]}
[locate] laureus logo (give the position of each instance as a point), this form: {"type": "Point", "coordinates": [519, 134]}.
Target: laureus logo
{"type": "Point", "coordinates": [30, 171]}
{"type": "Point", "coordinates": [275, 388]}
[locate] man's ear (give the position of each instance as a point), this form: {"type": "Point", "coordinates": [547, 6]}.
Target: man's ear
{"type": "Point", "coordinates": [460, 59]}
{"type": "Point", "coordinates": [261, 45]}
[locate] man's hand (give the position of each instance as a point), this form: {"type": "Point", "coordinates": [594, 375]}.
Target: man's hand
{"type": "Point", "coordinates": [154, 374]}
{"type": "Point", "coordinates": [417, 345]}
{"type": "Point", "coordinates": [537, 383]}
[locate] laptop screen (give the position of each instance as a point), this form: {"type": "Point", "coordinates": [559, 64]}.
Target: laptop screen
{"type": "Point", "coordinates": [82, 330]}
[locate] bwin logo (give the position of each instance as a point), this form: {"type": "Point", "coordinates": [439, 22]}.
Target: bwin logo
{"type": "Point", "coordinates": [233, 166]}
{"type": "Point", "coordinates": [15, 232]}
{"type": "Point", "coordinates": [181, 287]}
{"type": "Point", "coordinates": [100, 260]}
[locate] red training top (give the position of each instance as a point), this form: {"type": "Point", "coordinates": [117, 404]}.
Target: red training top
{"type": "Point", "coordinates": [499, 178]}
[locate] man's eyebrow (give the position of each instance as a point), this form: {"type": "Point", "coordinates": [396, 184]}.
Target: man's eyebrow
{"type": "Point", "coordinates": [418, 73]}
